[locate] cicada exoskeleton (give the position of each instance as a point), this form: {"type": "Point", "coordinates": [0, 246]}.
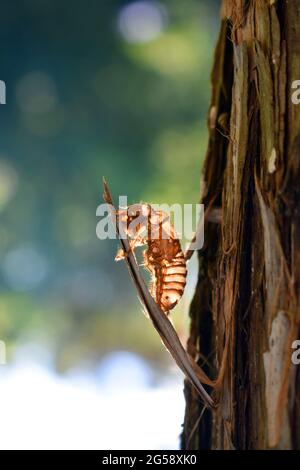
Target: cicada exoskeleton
{"type": "Point", "coordinates": [163, 258]}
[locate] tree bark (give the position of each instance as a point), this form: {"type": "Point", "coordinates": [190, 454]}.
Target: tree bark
{"type": "Point", "coordinates": [245, 312]}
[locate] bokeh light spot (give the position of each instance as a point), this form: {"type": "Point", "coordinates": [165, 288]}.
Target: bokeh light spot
{"type": "Point", "coordinates": [24, 268]}
{"type": "Point", "coordinates": [142, 21]}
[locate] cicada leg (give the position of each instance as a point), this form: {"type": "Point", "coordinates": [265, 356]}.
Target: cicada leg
{"type": "Point", "coordinates": [133, 244]}
{"type": "Point", "coordinates": [121, 254]}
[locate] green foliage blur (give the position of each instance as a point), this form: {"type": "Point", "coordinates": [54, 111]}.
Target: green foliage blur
{"type": "Point", "coordinates": [92, 91]}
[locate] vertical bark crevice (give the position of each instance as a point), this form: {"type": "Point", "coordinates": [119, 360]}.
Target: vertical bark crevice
{"type": "Point", "coordinates": [198, 424]}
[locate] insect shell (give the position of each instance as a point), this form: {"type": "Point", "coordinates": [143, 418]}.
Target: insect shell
{"type": "Point", "coordinates": [163, 257]}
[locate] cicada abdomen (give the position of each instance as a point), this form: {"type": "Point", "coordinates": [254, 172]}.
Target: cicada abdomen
{"type": "Point", "coordinates": [167, 264]}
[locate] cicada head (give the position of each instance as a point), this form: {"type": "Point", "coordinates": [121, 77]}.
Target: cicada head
{"type": "Point", "coordinates": [134, 217]}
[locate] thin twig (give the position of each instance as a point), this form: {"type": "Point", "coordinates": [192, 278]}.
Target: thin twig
{"type": "Point", "coordinates": [161, 323]}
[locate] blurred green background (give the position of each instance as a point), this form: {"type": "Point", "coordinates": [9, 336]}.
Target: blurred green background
{"type": "Point", "coordinates": [114, 88]}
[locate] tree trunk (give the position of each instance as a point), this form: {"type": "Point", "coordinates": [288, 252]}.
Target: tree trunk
{"type": "Point", "coordinates": [245, 312]}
